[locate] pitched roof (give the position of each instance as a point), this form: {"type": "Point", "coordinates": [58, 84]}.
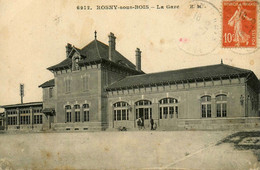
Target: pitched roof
{"type": "Point", "coordinates": [50, 83]}
{"type": "Point", "coordinates": [64, 64]}
{"type": "Point", "coordinates": [205, 72]}
{"type": "Point", "coordinates": [95, 51]}
{"type": "Point", "coordinates": [22, 105]}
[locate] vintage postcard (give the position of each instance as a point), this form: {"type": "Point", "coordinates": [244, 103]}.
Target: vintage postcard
{"type": "Point", "coordinates": [130, 84]}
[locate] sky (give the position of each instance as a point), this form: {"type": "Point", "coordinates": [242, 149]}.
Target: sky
{"type": "Point", "coordinates": [33, 36]}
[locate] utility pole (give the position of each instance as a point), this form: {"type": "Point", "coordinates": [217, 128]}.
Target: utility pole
{"type": "Point", "coordinates": [21, 92]}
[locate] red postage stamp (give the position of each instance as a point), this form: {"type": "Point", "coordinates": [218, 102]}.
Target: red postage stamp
{"type": "Point", "coordinates": [239, 24]}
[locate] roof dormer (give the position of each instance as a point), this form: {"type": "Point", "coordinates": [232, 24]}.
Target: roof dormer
{"type": "Point", "coordinates": [75, 59]}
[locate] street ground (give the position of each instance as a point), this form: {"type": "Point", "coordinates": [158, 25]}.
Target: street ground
{"type": "Point", "coordinates": [131, 150]}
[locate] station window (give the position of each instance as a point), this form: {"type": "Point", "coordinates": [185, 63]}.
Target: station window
{"type": "Point", "coordinates": [25, 120]}
{"type": "Point", "coordinates": [37, 119]}
{"type": "Point", "coordinates": [143, 109]}
{"type": "Point", "coordinates": [68, 113]}
{"type": "Point", "coordinates": [206, 106]}
{"type": "Point", "coordinates": [121, 111]}
{"type": "Point", "coordinates": [168, 108]}
{"type": "Point", "coordinates": [85, 112]}
{"type": "Point", "coordinates": [12, 120]}
{"type": "Point", "coordinates": [221, 102]}
{"type": "Point", "coordinates": [77, 113]}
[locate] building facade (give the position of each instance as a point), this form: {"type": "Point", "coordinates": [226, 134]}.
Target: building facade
{"type": "Point", "coordinates": [97, 88]}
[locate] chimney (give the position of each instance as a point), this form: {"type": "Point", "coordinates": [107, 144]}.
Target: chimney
{"type": "Point", "coordinates": [138, 59]}
{"type": "Point", "coordinates": [112, 44]}
{"type": "Point", "coordinates": [68, 49]}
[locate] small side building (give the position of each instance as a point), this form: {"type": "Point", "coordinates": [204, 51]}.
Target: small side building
{"type": "Point", "coordinates": [25, 116]}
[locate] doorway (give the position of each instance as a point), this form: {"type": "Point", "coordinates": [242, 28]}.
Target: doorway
{"type": "Point", "coordinates": [145, 114]}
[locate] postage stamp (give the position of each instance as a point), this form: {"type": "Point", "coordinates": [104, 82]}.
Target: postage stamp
{"type": "Point", "coordinates": [239, 24]}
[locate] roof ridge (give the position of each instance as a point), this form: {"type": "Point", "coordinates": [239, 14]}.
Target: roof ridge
{"type": "Point", "coordinates": [171, 70]}
{"type": "Point", "coordinates": [75, 48]}
{"type": "Point", "coordinates": [125, 58]}
{"type": "Point", "coordinates": [101, 43]}
{"type": "Point", "coordinates": [13, 105]}
{"type": "Point", "coordinates": [217, 70]}
{"type": "Point", "coordinates": [240, 69]}
{"type": "Point", "coordinates": [190, 69]}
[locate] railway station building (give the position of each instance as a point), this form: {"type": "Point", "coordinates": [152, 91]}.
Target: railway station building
{"type": "Point", "coordinates": [97, 88]}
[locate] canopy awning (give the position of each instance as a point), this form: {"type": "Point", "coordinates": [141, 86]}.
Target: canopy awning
{"type": "Point", "coordinates": [49, 111]}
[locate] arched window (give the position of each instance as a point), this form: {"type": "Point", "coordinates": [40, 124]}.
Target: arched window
{"type": "Point", "coordinates": [121, 111]}
{"type": "Point", "coordinates": [77, 113]}
{"type": "Point", "coordinates": [168, 108]}
{"type": "Point", "coordinates": [221, 101]}
{"type": "Point", "coordinates": [85, 112]}
{"type": "Point", "coordinates": [68, 113]}
{"type": "Point", "coordinates": [205, 106]}
{"type": "Point", "coordinates": [143, 109]}
{"type": "Point", "coordinates": [143, 103]}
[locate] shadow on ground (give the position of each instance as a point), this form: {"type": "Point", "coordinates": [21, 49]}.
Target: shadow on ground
{"type": "Point", "coordinates": [245, 141]}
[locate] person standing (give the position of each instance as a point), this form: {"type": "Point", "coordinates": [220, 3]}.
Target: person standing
{"type": "Point", "coordinates": [152, 122]}
{"type": "Point", "coordinates": [142, 126]}
{"type": "Point", "coordinates": [139, 123]}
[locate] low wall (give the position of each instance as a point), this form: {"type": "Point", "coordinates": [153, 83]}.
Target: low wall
{"type": "Point", "coordinates": [77, 126]}
{"type": "Point", "coordinates": [239, 123]}
{"type": "Point", "coordinates": [36, 127]}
